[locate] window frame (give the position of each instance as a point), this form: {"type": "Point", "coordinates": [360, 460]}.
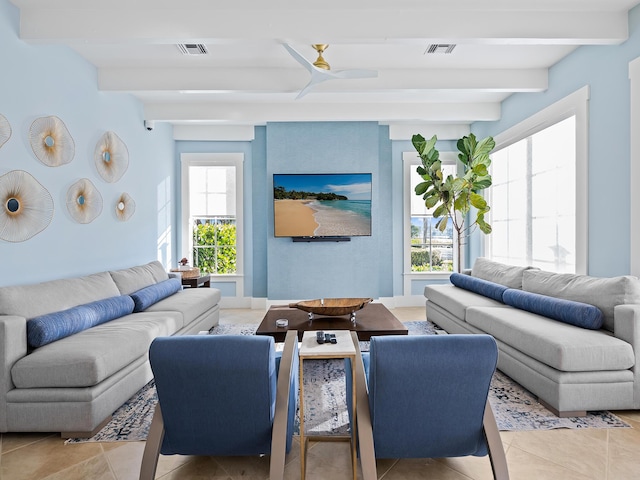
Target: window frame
{"type": "Point", "coordinates": [575, 104]}
{"type": "Point", "coordinates": [205, 160]}
{"type": "Point", "coordinates": [411, 160]}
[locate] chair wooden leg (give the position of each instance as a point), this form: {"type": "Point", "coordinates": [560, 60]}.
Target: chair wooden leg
{"type": "Point", "coordinates": [363, 418]}
{"type": "Point", "coordinates": [279, 432]}
{"type": "Point", "coordinates": [494, 443]}
{"type": "Point", "coordinates": [152, 447]}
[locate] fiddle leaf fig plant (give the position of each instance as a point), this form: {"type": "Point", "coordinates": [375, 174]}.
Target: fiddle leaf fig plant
{"type": "Point", "coordinates": [453, 197]}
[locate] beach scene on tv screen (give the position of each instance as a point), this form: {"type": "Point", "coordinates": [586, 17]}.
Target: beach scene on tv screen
{"type": "Point", "coordinates": [320, 205]}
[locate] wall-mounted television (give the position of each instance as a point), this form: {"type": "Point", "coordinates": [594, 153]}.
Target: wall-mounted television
{"type": "Point", "coordinates": [323, 206]}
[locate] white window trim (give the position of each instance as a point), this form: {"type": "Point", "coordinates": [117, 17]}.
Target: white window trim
{"type": "Point", "coordinates": [410, 160]}
{"type": "Point", "coordinates": [634, 168]}
{"type": "Point", "coordinates": [576, 104]}
{"type": "Point", "coordinates": [210, 159]}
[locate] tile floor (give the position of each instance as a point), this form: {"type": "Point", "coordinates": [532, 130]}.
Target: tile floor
{"type": "Point", "coordinates": [612, 454]}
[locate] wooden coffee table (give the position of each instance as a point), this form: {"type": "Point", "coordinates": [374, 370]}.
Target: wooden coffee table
{"type": "Point", "coordinates": [373, 319]}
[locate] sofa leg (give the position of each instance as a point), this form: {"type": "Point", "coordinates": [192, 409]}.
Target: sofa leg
{"type": "Point", "coordinates": [567, 414]}
{"type": "Point", "coordinates": [86, 434]}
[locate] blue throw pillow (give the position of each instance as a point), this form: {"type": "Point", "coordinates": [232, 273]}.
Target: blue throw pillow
{"type": "Point", "coordinates": [147, 296]}
{"type": "Point", "coordinates": [478, 285]}
{"type": "Point", "coordinates": [567, 311]}
{"type": "Point", "coordinates": [54, 326]}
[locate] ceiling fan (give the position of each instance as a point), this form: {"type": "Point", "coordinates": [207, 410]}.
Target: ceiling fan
{"type": "Point", "coordinates": [321, 71]}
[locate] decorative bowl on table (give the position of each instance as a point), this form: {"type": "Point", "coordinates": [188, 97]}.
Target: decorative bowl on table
{"type": "Point", "coordinates": [332, 307]}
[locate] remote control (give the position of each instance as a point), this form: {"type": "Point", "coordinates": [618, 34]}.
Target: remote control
{"type": "Point", "coordinates": [320, 337]}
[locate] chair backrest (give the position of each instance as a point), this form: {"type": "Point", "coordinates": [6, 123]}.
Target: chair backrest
{"type": "Point", "coordinates": [427, 394]}
{"type": "Point", "coordinates": [217, 393]}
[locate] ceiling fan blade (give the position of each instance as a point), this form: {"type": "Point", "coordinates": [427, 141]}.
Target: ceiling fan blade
{"type": "Point", "coordinates": [354, 73]}
{"type": "Point", "coordinates": [299, 58]}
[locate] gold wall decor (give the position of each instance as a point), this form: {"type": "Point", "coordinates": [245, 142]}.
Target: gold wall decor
{"type": "Point", "coordinates": [84, 202]}
{"type": "Point", "coordinates": [27, 207]}
{"type": "Point", "coordinates": [125, 206]}
{"type": "Point", "coordinates": [111, 157]}
{"type": "Point", "coordinates": [5, 130]}
{"type": "Point", "coordinates": [51, 141]}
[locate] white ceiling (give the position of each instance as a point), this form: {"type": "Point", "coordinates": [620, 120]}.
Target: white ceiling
{"type": "Point", "coordinates": [249, 78]}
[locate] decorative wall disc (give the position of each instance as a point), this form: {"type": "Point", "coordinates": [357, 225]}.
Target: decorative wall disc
{"type": "Point", "coordinates": [125, 206]}
{"type": "Point", "coordinates": [111, 157]}
{"type": "Point", "coordinates": [84, 202]}
{"type": "Point", "coordinates": [51, 141]}
{"type": "Point", "coordinates": [27, 207]}
{"type": "Point", "coordinates": [5, 130]}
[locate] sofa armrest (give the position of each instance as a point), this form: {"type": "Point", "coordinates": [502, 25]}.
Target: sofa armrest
{"type": "Point", "coordinates": [627, 327]}
{"type": "Point", "coordinates": [13, 346]}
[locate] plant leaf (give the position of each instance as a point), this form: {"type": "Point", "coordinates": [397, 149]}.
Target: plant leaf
{"type": "Point", "coordinates": [422, 187]}
{"type": "Point", "coordinates": [478, 201]}
{"type": "Point", "coordinates": [442, 224]}
{"type": "Point", "coordinates": [431, 201]}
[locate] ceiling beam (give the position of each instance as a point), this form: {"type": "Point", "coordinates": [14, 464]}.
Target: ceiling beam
{"type": "Point", "coordinates": [261, 80]}
{"type": "Point", "coordinates": [333, 24]}
{"type": "Point", "coordinates": [261, 113]}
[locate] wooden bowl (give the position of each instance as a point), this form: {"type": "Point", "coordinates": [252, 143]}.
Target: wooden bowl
{"type": "Point", "coordinates": [332, 306]}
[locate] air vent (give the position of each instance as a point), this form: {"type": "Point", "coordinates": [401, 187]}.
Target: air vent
{"type": "Point", "coordinates": [193, 48]}
{"type": "Point", "coordinates": [441, 48]}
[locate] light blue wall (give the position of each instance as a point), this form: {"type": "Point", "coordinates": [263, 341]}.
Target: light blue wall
{"type": "Point", "coordinates": [606, 70]}
{"type": "Point", "coordinates": [359, 268]}
{"type": "Point", "coordinates": [38, 81]}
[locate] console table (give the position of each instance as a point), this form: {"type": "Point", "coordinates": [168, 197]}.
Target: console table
{"type": "Point", "coordinates": [195, 282]}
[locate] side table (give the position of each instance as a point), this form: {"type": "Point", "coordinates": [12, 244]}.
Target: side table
{"type": "Point", "coordinates": [310, 349]}
{"type": "Point", "coordinates": [195, 282]}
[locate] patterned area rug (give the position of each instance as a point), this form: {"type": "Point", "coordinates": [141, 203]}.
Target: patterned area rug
{"type": "Point", "coordinates": [515, 408]}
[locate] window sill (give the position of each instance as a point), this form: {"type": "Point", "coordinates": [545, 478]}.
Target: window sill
{"type": "Point", "coordinates": [428, 275]}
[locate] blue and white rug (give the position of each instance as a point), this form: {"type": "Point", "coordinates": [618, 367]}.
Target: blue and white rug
{"type": "Point", "coordinates": [515, 408]}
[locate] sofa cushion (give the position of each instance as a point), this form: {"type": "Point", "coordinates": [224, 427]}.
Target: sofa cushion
{"type": "Point", "coordinates": [604, 293]}
{"type": "Point", "coordinates": [55, 295]}
{"type": "Point", "coordinates": [567, 311]}
{"type": "Point", "coordinates": [190, 303]}
{"type": "Point", "coordinates": [54, 326]}
{"type": "Point", "coordinates": [559, 345]}
{"type": "Point", "coordinates": [496, 272]}
{"type": "Point", "coordinates": [91, 356]}
{"type": "Point", "coordinates": [456, 300]}
{"type": "Point", "coordinates": [477, 285]}
{"type": "Point", "coordinates": [147, 296]}
{"type": "Point", "coordinates": [132, 279]}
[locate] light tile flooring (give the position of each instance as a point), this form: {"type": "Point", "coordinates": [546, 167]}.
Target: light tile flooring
{"type": "Point", "coordinates": [612, 454]}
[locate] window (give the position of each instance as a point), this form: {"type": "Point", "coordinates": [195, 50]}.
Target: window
{"type": "Point", "coordinates": [532, 200]}
{"type": "Point", "coordinates": [430, 251]}
{"type": "Point", "coordinates": [538, 197]}
{"type": "Point", "coordinates": [212, 213]}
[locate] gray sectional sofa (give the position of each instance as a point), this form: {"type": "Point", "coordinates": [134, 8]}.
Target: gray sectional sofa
{"type": "Point", "coordinates": [73, 350]}
{"type": "Point", "coordinates": [572, 340]}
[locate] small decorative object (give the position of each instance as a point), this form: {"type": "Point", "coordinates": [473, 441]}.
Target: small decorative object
{"type": "Point", "coordinates": [332, 307]}
{"type": "Point", "coordinates": [184, 261]}
{"type": "Point", "coordinates": [84, 202]}
{"type": "Point", "coordinates": [125, 206]}
{"type": "Point", "coordinates": [51, 141]}
{"type": "Point", "coordinates": [5, 130]}
{"type": "Point", "coordinates": [27, 207]}
{"type": "Point", "coordinates": [111, 157]}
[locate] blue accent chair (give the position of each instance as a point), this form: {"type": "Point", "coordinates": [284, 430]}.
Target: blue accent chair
{"type": "Point", "coordinates": [223, 395]}
{"type": "Point", "coordinates": [426, 397]}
